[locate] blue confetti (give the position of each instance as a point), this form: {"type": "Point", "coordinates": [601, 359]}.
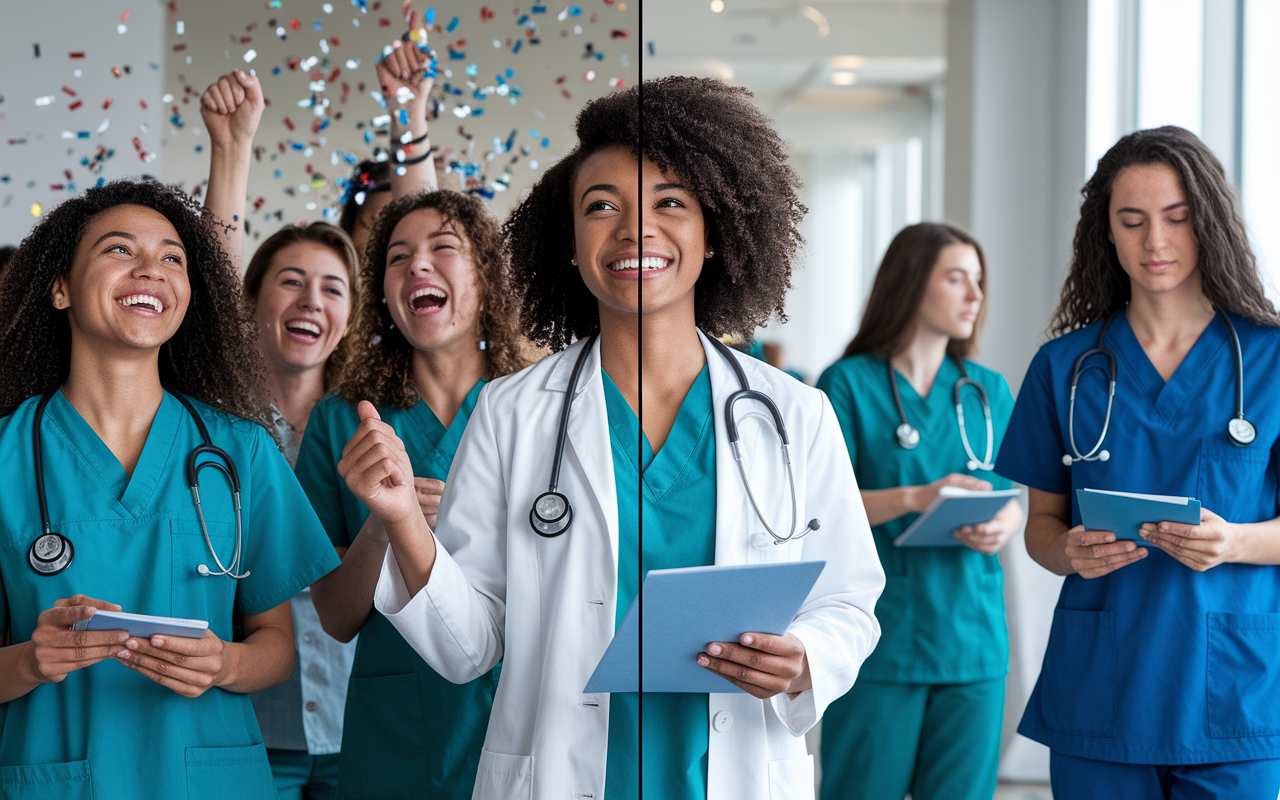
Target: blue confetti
{"type": "Point", "coordinates": [523, 19]}
{"type": "Point", "coordinates": [316, 26]}
{"type": "Point", "coordinates": [83, 134]}
{"type": "Point", "coordinates": [154, 66]}
{"type": "Point", "coordinates": [538, 10]}
{"type": "Point", "coordinates": [453, 23]}
{"type": "Point", "coordinates": [472, 69]}
{"type": "Point", "coordinates": [651, 52]}
{"type": "Point", "coordinates": [501, 80]}
{"type": "Point", "coordinates": [430, 16]}
{"type": "Point", "coordinates": [275, 71]}
{"type": "Point", "coordinates": [477, 112]}
{"type": "Point", "coordinates": [324, 123]}
{"type": "Point", "coordinates": [454, 55]}
{"type": "Point", "coordinates": [546, 142]}
{"type": "Point", "coordinates": [276, 174]}
{"type": "Point", "coordinates": [199, 148]}
{"type": "Point", "coordinates": [574, 11]}
{"type": "Point", "coordinates": [299, 146]}
{"type": "Point", "coordinates": [101, 181]}
{"type": "Point", "coordinates": [533, 133]}
{"type": "Point", "coordinates": [511, 73]}
{"type": "Point", "coordinates": [71, 187]}
{"type": "Point", "coordinates": [516, 49]}
{"type": "Point", "coordinates": [404, 116]}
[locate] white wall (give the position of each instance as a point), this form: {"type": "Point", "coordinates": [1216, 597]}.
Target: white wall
{"type": "Point", "coordinates": [33, 150]}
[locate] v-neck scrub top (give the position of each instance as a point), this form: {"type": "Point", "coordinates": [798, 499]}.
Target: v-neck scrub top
{"type": "Point", "coordinates": [407, 731]}
{"type": "Point", "coordinates": [1156, 663]}
{"type": "Point", "coordinates": [677, 489]}
{"type": "Point", "coordinates": [106, 731]}
{"type": "Point", "coordinates": [942, 610]}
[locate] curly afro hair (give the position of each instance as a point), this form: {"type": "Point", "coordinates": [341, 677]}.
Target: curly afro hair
{"type": "Point", "coordinates": [213, 356]}
{"type": "Point", "coordinates": [728, 153]}
{"type": "Point", "coordinates": [384, 374]}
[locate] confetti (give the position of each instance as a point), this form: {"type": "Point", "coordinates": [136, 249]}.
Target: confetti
{"type": "Point", "coordinates": [250, 55]}
{"type": "Point", "coordinates": [36, 209]}
{"type": "Point", "coordinates": [182, 27]}
{"type": "Point", "coordinates": [76, 54]}
{"type": "Point", "coordinates": [122, 28]}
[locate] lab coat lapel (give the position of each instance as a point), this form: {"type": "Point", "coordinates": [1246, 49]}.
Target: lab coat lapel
{"type": "Point", "coordinates": [587, 438]}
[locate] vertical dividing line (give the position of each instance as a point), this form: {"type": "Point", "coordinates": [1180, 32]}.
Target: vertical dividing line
{"type": "Point", "coordinates": [640, 202]}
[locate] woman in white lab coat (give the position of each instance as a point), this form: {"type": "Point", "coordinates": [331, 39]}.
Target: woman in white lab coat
{"type": "Point", "coordinates": [703, 212]}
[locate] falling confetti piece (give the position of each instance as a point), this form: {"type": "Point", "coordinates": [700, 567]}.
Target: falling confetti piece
{"type": "Point", "coordinates": [182, 27]}
{"type": "Point", "coordinates": [75, 105]}
{"type": "Point", "coordinates": [106, 104]}
{"type": "Point", "coordinates": [122, 28]}
{"type": "Point", "coordinates": [76, 54]}
{"type": "Point", "coordinates": [106, 123]}
{"type": "Point", "coordinates": [250, 55]}
{"type": "Point", "coordinates": [590, 76]}
{"type": "Point", "coordinates": [36, 209]}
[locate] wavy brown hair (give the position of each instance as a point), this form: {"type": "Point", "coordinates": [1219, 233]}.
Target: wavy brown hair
{"type": "Point", "coordinates": [213, 356]}
{"type": "Point", "coordinates": [1097, 286]}
{"type": "Point", "coordinates": [899, 290]}
{"type": "Point", "coordinates": [383, 372]}
{"type": "Point", "coordinates": [326, 235]}
{"type": "Point", "coordinates": [727, 152]}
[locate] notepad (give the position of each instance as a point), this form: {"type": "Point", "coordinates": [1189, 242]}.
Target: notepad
{"type": "Point", "coordinates": [1124, 512]}
{"type": "Point", "coordinates": [143, 626]}
{"type": "Point", "coordinates": [687, 609]}
{"type": "Point", "coordinates": [953, 508]}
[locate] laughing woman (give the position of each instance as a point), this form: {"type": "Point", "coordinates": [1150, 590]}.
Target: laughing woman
{"type": "Point", "coordinates": [436, 313]}
{"type": "Point", "coordinates": [492, 586]}
{"type": "Point", "coordinates": [128, 356]}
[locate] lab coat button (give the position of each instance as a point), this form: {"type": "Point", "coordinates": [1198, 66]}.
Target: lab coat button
{"type": "Point", "coordinates": [311, 705]}
{"type": "Point", "coordinates": [722, 721]}
{"type": "Point", "coordinates": [761, 540]}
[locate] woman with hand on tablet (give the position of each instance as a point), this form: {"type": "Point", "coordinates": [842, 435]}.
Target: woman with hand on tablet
{"type": "Point", "coordinates": [131, 371]}
{"type": "Point", "coordinates": [924, 717]}
{"type": "Point", "coordinates": [506, 580]}
{"type": "Point", "coordinates": [1159, 679]}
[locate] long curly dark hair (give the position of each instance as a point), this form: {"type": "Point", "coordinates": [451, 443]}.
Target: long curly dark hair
{"type": "Point", "coordinates": [383, 373]}
{"type": "Point", "coordinates": [1097, 286]}
{"type": "Point", "coordinates": [213, 356]}
{"type": "Point", "coordinates": [899, 290]}
{"type": "Point", "coordinates": [715, 140]}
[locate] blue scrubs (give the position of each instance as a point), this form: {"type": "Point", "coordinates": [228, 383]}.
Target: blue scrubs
{"type": "Point", "coordinates": [1156, 663]}
{"type": "Point", "coordinates": [106, 731]}
{"type": "Point", "coordinates": [407, 731]}
{"type": "Point", "coordinates": [678, 500]}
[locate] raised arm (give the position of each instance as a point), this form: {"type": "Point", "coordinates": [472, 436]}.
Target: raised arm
{"type": "Point", "coordinates": [231, 108]}
{"type": "Point", "coordinates": [406, 79]}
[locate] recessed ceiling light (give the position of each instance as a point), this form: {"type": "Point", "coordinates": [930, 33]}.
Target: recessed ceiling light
{"type": "Point", "coordinates": [848, 62]}
{"type": "Point", "coordinates": [717, 6]}
{"type": "Point", "coordinates": [844, 78]}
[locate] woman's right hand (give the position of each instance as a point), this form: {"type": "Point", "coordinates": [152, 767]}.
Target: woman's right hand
{"type": "Point", "coordinates": [231, 109]}
{"type": "Point", "coordinates": [926, 494]}
{"type": "Point", "coordinates": [1097, 553]}
{"type": "Point", "coordinates": [429, 493]}
{"type": "Point", "coordinates": [377, 469]}
{"type": "Point", "coordinates": [56, 650]}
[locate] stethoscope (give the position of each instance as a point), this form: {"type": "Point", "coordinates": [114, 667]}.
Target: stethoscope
{"type": "Point", "coordinates": [1239, 430]}
{"type": "Point", "coordinates": [909, 436]}
{"type": "Point", "coordinates": [552, 513]}
{"type": "Point", "coordinates": [51, 552]}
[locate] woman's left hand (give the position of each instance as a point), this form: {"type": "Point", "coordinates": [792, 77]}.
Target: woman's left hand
{"type": "Point", "coordinates": [1214, 541]}
{"type": "Point", "coordinates": [189, 667]}
{"type": "Point", "coordinates": [761, 664]}
{"type": "Point", "coordinates": [988, 537]}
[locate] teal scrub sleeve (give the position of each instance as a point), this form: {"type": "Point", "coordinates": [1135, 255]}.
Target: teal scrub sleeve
{"type": "Point", "coordinates": [1002, 404]}
{"type": "Point", "coordinates": [285, 547]}
{"type": "Point", "coordinates": [1031, 453]}
{"type": "Point", "coordinates": [835, 383]}
{"type": "Point", "coordinates": [317, 471]}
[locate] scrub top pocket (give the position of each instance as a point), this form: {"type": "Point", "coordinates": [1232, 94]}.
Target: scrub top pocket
{"type": "Point", "coordinates": [1243, 675]}
{"type": "Point", "coordinates": [1231, 479]}
{"type": "Point", "coordinates": [197, 596]}
{"type": "Point", "coordinates": [1078, 685]}
{"type": "Point", "coordinates": [70, 780]}
{"type": "Point", "coordinates": [216, 773]}
{"type": "Point", "coordinates": [505, 776]}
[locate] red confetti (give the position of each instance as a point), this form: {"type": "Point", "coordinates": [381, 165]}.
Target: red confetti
{"type": "Point", "coordinates": [566, 94]}
{"type": "Point", "coordinates": [143, 103]}
{"type": "Point", "coordinates": [125, 18]}
{"type": "Point", "coordinates": [334, 41]}
{"type": "Point", "coordinates": [383, 22]}
{"type": "Point", "coordinates": [288, 123]}
{"type": "Point", "coordinates": [333, 75]}
{"type": "Point", "coordinates": [69, 91]}
{"type": "Point", "coordinates": [346, 90]}
{"type": "Point", "coordinates": [293, 23]}
{"type": "Point", "coordinates": [77, 54]}
{"type": "Point", "coordinates": [257, 204]}
{"type": "Point", "coordinates": [293, 62]}
{"type": "Point", "coordinates": [75, 105]}
{"type": "Point", "coordinates": [56, 187]}
{"type": "Point", "coordinates": [137, 145]}
{"type": "Point", "coordinates": [461, 43]}
{"type": "Point", "coordinates": [106, 104]}
{"type": "Point", "coordinates": [309, 169]}
{"type": "Point", "coordinates": [246, 39]}
{"type": "Point", "coordinates": [178, 48]}
{"type": "Point", "coordinates": [115, 71]}
{"type": "Point", "coordinates": [620, 34]}
{"type": "Point", "coordinates": [485, 14]}
{"type": "Point", "coordinates": [315, 128]}
{"type": "Point", "coordinates": [67, 172]}
{"type": "Point", "coordinates": [561, 79]}
{"type": "Point", "coordinates": [173, 8]}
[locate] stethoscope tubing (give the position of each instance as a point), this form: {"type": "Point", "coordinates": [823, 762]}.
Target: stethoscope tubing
{"type": "Point", "coordinates": [909, 436]}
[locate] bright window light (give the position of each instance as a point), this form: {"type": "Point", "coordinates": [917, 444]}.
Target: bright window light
{"type": "Point", "coordinates": [844, 78]}
{"type": "Point", "coordinates": [717, 6]}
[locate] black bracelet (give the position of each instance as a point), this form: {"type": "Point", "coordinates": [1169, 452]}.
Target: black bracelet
{"type": "Point", "coordinates": [418, 160]}
{"type": "Point", "coordinates": [420, 139]}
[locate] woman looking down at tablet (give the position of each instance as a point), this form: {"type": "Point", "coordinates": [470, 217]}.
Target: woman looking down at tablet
{"type": "Point", "coordinates": [665, 209]}
{"type": "Point", "coordinates": [924, 717]}
{"type": "Point", "coordinates": [1158, 680]}
{"type": "Point", "coordinates": [121, 307]}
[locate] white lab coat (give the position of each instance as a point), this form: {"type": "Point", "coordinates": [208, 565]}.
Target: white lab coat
{"type": "Point", "coordinates": [545, 607]}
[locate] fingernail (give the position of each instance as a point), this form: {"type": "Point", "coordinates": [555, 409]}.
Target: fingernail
{"type": "Point", "coordinates": [132, 644]}
{"type": "Point", "coordinates": [123, 635]}
{"type": "Point", "coordinates": [157, 641]}
{"type": "Point", "coordinates": [122, 654]}
{"type": "Point", "coordinates": [747, 639]}
{"type": "Point", "coordinates": [704, 661]}
{"type": "Point", "coordinates": [714, 649]}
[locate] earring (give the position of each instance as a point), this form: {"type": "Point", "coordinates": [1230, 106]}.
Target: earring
{"type": "Point", "coordinates": [573, 261]}
{"type": "Point", "coordinates": [384, 301]}
{"type": "Point", "coordinates": [709, 254]}
{"type": "Point", "coordinates": [483, 344]}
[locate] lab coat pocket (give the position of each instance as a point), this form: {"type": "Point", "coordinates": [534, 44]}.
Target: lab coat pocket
{"type": "Point", "coordinates": [791, 779]}
{"type": "Point", "coordinates": [215, 773]}
{"type": "Point", "coordinates": [1078, 681]}
{"type": "Point", "coordinates": [196, 596]}
{"type": "Point", "coordinates": [1243, 675]}
{"type": "Point", "coordinates": [504, 777]}
{"type": "Point", "coordinates": [383, 736]}
{"type": "Point", "coordinates": [70, 780]}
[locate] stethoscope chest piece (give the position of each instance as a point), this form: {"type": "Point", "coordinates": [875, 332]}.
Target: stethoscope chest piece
{"type": "Point", "coordinates": [551, 514]}
{"type": "Point", "coordinates": [908, 436]}
{"type": "Point", "coordinates": [50, 554]}
{"type": "Point", "coordinates": [1241, 431]}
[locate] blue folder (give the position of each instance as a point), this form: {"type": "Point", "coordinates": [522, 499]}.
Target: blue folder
{"type": "Point", "coordinates": [142, 626]}
{"type": "Point", "coordinates": [1124, 513]}
{"type": "Point", "coordinates": [687, 609]}
{"type": "Point", "coordinates": [953, 508]}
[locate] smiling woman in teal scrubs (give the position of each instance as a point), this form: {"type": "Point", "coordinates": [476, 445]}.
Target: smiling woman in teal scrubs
{"type": "Point", "coordinates": [120, 305]}
{"type": "Point", "coordinates": [436, 309]}
{"type": "Point", "coordinates": [924, 717]}
{"type": "Point", "coordinates": [1160, 677]}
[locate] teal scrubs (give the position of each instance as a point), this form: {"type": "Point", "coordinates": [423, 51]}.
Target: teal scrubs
{"type": "Point", "coordinates": [106, 731]}
{"type": "Point", "coordinates": [678, 500]}
{"type": "Point", "coordinates": [407, 731]}
{"type": "Point", "coordinates": [942, 610]}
